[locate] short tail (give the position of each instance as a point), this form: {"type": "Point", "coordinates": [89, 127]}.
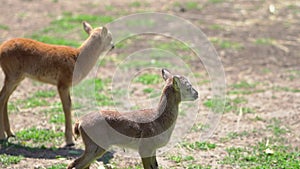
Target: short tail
{"type": "Point", "coordinates": [76, 130]}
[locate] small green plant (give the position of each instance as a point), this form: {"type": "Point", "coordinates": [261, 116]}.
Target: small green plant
{"type": "Point", "coordinates": [148, 90]}
{"type": "Point", "coordinates": [7, 160]}
{"type": "Point", "coordinates": [199, 127]}
{"type": "Point", "coordinates": [180, 158]}
{"type": "Point", "coordinates": [58, 166]}
{"type": "Point", "coordinates": [199, 145]}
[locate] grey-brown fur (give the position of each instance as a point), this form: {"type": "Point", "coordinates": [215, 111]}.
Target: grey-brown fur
{"type": "Point", "coordinates": [145, 130]}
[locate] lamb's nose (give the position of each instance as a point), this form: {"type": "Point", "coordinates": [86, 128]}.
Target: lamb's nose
{"type": "Point", "coordinates": [196, 95]}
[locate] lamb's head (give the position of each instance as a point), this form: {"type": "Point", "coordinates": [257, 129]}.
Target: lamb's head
{"type": "Point", "coordinates": [181, 84]}
{"type": "Point", "coordinates": [100, 34]}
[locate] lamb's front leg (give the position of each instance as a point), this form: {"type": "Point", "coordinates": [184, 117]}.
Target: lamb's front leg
{"type": "Point", "coordinates": [64, 94]}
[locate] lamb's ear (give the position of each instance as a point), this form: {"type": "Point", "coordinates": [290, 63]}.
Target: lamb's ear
{"type": "Point", "coordinates": [176, 83]}
{"type": "Point", "coordinates": [87, 27]}
{"type": "Point", "coordinates": [165, 74]}
{"type": "Point", "coordinates": [104, 31]}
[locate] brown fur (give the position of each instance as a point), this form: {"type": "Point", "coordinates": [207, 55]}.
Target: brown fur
{"type": "Point", "coordinates": [53, 64]}
{"type": "Point", "coordinates": [145, 130]}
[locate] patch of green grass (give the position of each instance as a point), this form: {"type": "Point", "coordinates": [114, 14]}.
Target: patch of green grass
{"type": "Point", "coordinates": [140, 63]}
{"type": "Point", "coordinates": [12, 107]}
{"type": "Point", "coordinates": [7, 160]}
{"type": "Point", "coordinates": [69, 20]}
{"type": "Point", "coordinates": [234, 135]}
{"type": "Point", "coordinates": [33, 102]}
{"type": "Point", "coordinates": [244, 88]}
{"type": "Point", "coordinates": [192, 5]}
{"type": "Point", "coordinates": [148, 79]}
{"type": "Point", "coordinates": [109, 7]}
{"type": "Point", "coordinates": [226, 44]}
{"type": "Point", "coordinates": [199, 127]}
{"type": "Point", "coordinates": [4, 27]}
{"type": "Point", "coordinates": [180, 158]}
{"type": "Point", "coordinates": [198, 166]}
{"type": "Point", "coordinates": [199, 145]}
{"type": "Point", "coordinates": [89, 88]}
{"type": "Point", "coordinates": [216, 27]}
{"type": "Point", "coordinates": [45, 94]}
{"type": "Point", "coordinates": [244, 85]}
{"type": "Point", "coordinates": [94, 89]}
{"type": "Point", "coordinates": [133, 167]}
{"type": "Point", "coordinates": [285, 89]}
{"type": "Point", "coordinates": [262, 156]}
{"type": "Point", "coordinates": [148, 90]}
{"type": "Point", "coordinates": [58, 166]}
{"type": "Point", "coordinates": [39, 135]}
{"type": "Point", "coordinates": [245, 92]}
{"type": "Point", "coordinates": [59, 28]}
{"type": "Point", "coordinates": [216, 1]}
{"type": "Point", "coordinates": [231, 105]}
{"type": "Point", "coordinates": [264, 41]}
{"type": "Point", "coordinates": [54, 40]}
{"type": "Point", "coordinates": [103, 100]}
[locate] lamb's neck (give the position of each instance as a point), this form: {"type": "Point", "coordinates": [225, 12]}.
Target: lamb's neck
{"type": "Point", "coordinates": [89, 53]}
{"type": "Point", "coordinates": [168, 108]}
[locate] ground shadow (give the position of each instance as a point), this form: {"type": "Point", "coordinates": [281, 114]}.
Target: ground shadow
{"type": "Point", "coordinates": [46, 153]}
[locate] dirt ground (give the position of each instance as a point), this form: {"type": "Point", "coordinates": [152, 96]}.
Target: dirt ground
{"type": "Point", "coordinates": [274, 67]}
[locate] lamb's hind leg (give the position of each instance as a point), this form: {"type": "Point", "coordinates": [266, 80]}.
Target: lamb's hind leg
{"type": "Point", "coordinates": [148, 158]}
{"type": "Point", "coordinates": [10, 84]}
{"type": "Point", "coordinates": [92, 152]}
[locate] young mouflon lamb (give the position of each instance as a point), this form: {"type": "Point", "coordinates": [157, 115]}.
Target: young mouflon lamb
{"type": "Point", "coordinates": [145, 130]}
{"type": "Point", "coordinates": [53, 64]}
